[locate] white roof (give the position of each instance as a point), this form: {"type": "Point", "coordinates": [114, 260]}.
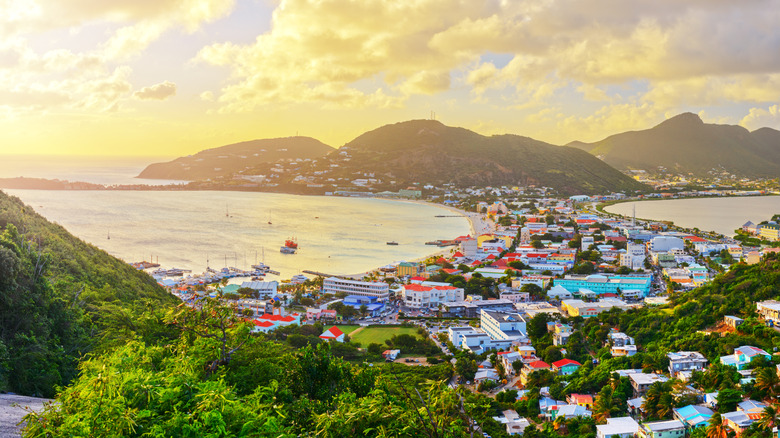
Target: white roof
{"type": "Point", "coordinates": [618, 426]}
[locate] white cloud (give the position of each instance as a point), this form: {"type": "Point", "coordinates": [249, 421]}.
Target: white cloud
{"type": "Point", "coordinates": [762, 117]}
{"type": "Point", "coordinates": [160, 91]}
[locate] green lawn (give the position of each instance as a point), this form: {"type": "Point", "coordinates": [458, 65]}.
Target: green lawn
{"type": "Point", "coordinates": [346, 328]}
{"type": "Point", "coordinates": [380, 334]}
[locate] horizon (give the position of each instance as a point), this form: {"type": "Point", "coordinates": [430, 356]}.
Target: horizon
{"type": "Point", "coordinates": [175, 77]}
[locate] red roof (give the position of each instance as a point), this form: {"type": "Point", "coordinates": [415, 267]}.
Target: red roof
{"type": "Point", "coordinates": [491, 257]}
{"type": "Point", "coordinates": [458, 255]}
{"type": "Point", "coordinates": [417, 279]}
{"type": "Point", "coordinates": [452, 271]}
{"type": "Point", "coordinates": [270, 317]}
{"type": "Point", "coordinates": [262, 323]}
{"type": "Point", "coordinates": [333, 332]}
{"type": "Point", "coordinates": [538, 364]}
{"type": "Point", "coordinates": [563, 362]}
{"type": "Point", "coordinates": [609, 295]}
{"type": "Point", "coordinates": [694, 239]}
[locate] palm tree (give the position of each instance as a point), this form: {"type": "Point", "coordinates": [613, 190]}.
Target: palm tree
{"type": "Point", "coordinates": [770, 418]}
{"type": "Point", "coordinates": [718, 428]}
{"type": "Point", "coordinates": [767, 380]}
{"type": "Point", "coordinates": [602, 407]}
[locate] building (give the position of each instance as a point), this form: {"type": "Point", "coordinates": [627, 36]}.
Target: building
{"type": "Point", "coordinates": [623, 427]}
{"type": "Point", "coordinates": [743, 355]}
{"type": "Point", "coordinates": [737, 421]}
{"type": "Point", "coordinates": [666, 243]}
{"type": "Point", "coordinates": [508, 326]}
{"type": "Point", "coordinates": [373, 307]}
{"type": "Point", "coordinates": [605, 284]}
{"type": "Point", "coordinates": [335, 285]}
{"type": "Point", "coordinates": [662, 429]}
{"type": "Point", "coordinates": [264, 289]}
{"type": "Point", "coordinates": [733, 321]}
{"type": "Point", "coordinates": [564, 367]}
{"type": "Point", "coordinates": [621, 344]}
{"type": "Point", "coordinates": [333, 334]}
{"type": "Point", "coordinates": [391, 355]}
{"type": "Point", "coordinates": [693, 415]}
{"type": "Point", "coordinates": [634, 257]}
{"type": "Point", "coordinates": [587, 310]}
{"type": "Point", "coordinates": [417, 296]}
{"type": "Point", "coordinates": [686, 361]}
{"type": "Point", "coordinates": [561, 333]}
{"type": "Point", "coordinates": [472, 309]}
{"type": "Point", "coordinates": [530, 368]}
{"type": "Point", "coordinates": [769, 310]}
{"type": "Point", "coordinates": [408, 268]}
{"type": "Point", "coordinates": [641, 382]}
{"type": "Point", "coordinates": [770, 232]}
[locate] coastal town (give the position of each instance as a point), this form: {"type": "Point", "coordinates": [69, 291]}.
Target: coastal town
{"type": "Point", "coordinates": [523, 311]}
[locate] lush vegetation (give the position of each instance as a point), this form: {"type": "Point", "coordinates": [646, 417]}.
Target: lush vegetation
{"type": "Point", "coordinates": [202, 373]}
{"type": "Point", "coordinates": [60, 299]}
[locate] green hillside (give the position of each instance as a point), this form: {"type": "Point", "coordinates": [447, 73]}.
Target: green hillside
{"type": "Point", "coordinates": [429, 152]}
{"type": "Point", "coordinates": [685, 144]}
{"type": "Point", "coordinates": [234, 158]}
{"type": "Point", "coordinates": [60, 298]}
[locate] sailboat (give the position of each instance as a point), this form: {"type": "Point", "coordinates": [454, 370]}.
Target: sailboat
{"type": "Point", "coordinates": [269, 219]}
{"type": "Point", "coordinates": [227, 214]}
{"type": "Point", "coordinates": [109, 235]}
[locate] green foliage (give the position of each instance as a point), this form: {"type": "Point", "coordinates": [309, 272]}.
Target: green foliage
{"type": "Point", "coordinates": [61, 298]}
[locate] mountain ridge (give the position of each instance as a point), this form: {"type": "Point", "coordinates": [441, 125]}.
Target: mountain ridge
{"type": "Point", "coordinates": [685, 144]}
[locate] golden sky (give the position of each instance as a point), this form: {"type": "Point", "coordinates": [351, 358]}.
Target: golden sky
{"type": "Point", "coordinates": [172, 77]}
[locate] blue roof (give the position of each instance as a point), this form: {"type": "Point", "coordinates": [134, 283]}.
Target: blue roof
{"type": "Point", "coordinates": [693, 414]}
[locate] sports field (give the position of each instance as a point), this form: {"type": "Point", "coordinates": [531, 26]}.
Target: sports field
{"type": "Point", "coordinates": [380, 334]}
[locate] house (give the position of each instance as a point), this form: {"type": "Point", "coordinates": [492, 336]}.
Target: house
{"type": "Point", "coordinates": [753, 409]}
{"type": "Point", "coordinates": [641, 382]}
{"type": "Point", "coordinates": [693, 416]}
{"type": "Point", "coordinates": [634, 406]}
{"type": "Point", "coordinates": [584, 400]}
{"type": "Point", "coordinates": [568, 412]}
{"type": "Point", "coordinates": [662, 429]}
{"type": "Point", "coordinates": [507, 358]}
{"type": "Point", "coordinates": [391, 354]}
{"type": "Point", "coordinates": [532, 367]}
{"type": "Point", "coordinates": [515, 424]}
{"type": "Point", "coordinates": [508, 326]}
{"type": "Point", "coordinates": [621, 344]}
{"type": "Point", "coordinates": [733, 321]}
{"type": "Point", "coordinates": [333, 334]}
{"type": "Point", "coordinates": [711, 399]}
{"type": "Point", "coordinates": [314, 314]}
{"type": "Point", "coordinates": [564, 367]}
{"type": "Point", "coordinates": [737, 421]}
{"type": "Point", "coordinates": [561, 334]}
{"type": "Point", "coordinates": [743, 356]}
{"type": "Point", "coordinates": [486, 374]}
{"type": "Point", "coordinates": [686, 361]}
{"type": "Point", "coordinates": [622, 427]}
{"type": "Point", "coordinates": [769, 310]}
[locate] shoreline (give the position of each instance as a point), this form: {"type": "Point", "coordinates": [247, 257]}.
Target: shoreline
{"type": "Point", "coordinates": [477, 225]}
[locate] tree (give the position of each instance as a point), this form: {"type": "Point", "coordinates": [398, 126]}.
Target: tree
{"type": "Point", "coordinates": [728, 399]}
{"type": "Point", "coordinates": [717, 427]}
{"type": "Point", "coordinates": [363, 310]}
{"type": "Point", "coordinates": [215, 322]}
{"type": "Point", "coordinates": [602, 406]}
{"type": "Point", "coordinates": [767, 381]}
{"type": "Point", "coordinates": [537, 244]}
{"type": "Point", "coordinates": [770, 417]}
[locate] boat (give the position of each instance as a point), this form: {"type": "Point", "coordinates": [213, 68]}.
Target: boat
{"type": "Point", "coordinates": [287, 250]}
{"type": "Point", "coordinates": [109, 235]}
{"type": "Point", "coordinates": [291, 243]}
{"type": "Point", "coordinates": [392, 243]}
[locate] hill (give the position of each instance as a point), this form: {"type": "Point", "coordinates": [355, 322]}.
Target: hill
{"type": "Point", "coordinates": [233, 158]}
{"type": "Point", "coordinates": [60, 298]}
{"type": "Point", "coordinates": [428, 152]}
{"type": "Point", "coordinates": [685, 144]}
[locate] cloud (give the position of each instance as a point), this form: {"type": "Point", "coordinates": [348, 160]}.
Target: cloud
{"type": "Point", "coordinates": [762, 117]}
{"type": "Point", "coordinates": [160, 91]}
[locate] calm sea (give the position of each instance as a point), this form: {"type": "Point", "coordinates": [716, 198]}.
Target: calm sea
{"type": "Point", "coordinates": [722, 215]}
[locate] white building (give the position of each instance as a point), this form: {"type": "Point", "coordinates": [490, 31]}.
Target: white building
{"type": "Point", "coordinates": [507, 326]}
{"type": "Point", "coordinates": [265, 289]}
{"type": "Point", "coordinates": [623, 427]}
{"type": "Point", "coordinates": [666, 243]}
{"type": "Point", "coordinates": [418, 296]}
{"type": "Point", "coordinates": [634, 257]}
{"type": "Point", "coordinates": [469, 248]}
{"type": "Point", "coordinates": [378, 289]}
{"type": "Point", "coordinates": [686, 361]}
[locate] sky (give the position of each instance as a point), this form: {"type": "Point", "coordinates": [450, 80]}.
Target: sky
{"type": "Point", "coordinates": [172, 77]}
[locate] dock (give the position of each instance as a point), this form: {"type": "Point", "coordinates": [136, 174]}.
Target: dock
{"type": "Point", "coordinates": [318, 274]}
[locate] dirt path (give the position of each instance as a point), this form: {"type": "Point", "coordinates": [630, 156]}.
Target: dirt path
{"type": "Point", "coordinates": [12, 409]}
{"type": "Point", "coordinates": [353, 333]}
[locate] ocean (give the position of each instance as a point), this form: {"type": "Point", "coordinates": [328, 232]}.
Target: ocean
{"type": "Point", "coordinates": [193, 230]}
{"type": "Point", "coordinates": [722, 215]}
